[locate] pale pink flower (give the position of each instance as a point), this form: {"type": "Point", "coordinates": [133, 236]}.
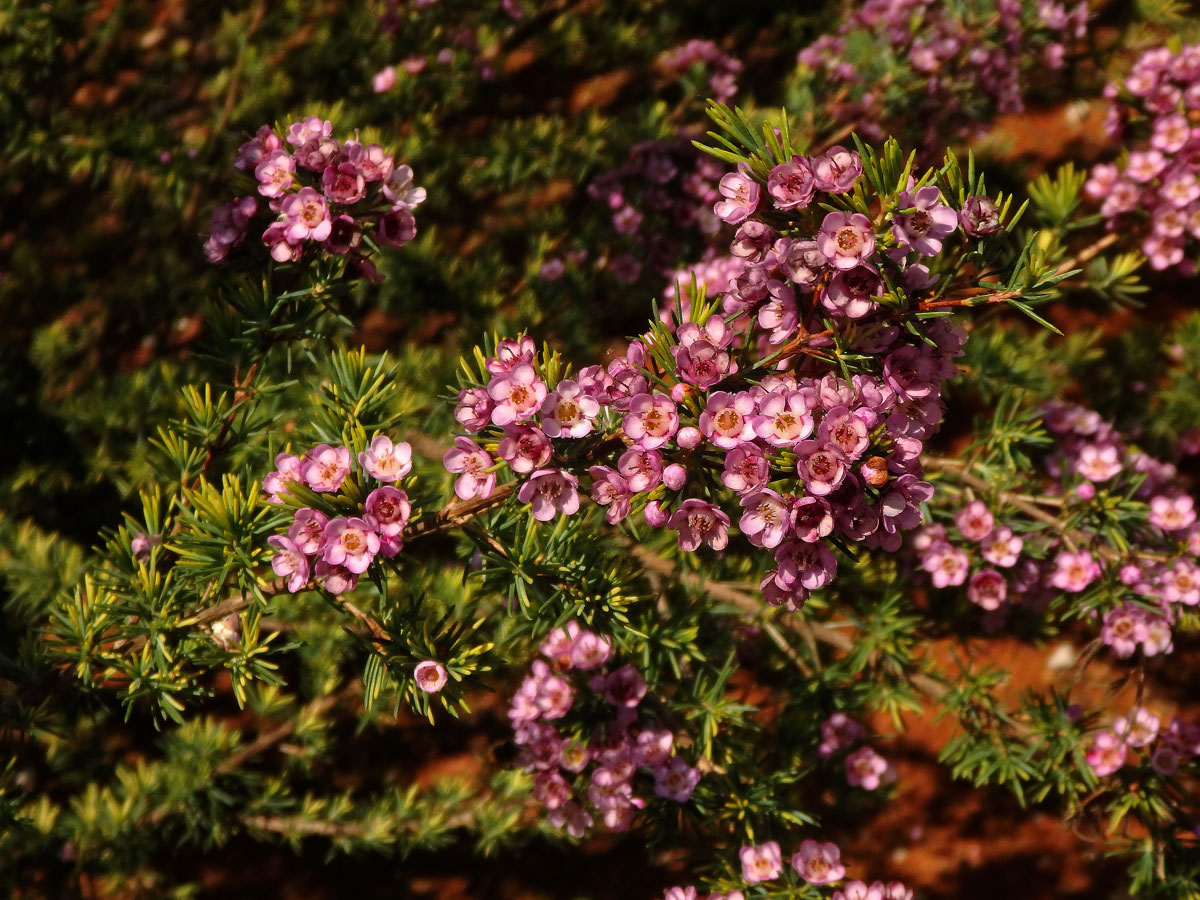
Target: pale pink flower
{"type": "Point", "coordinates": [761, 863]}
{"type": "Point", "coordinates": [518, 394]}
{"type": "Point", "coordinates": [590, 650]}
{"type": "Point", "coordinates": [676, 780]}
{"type": "Point", "coordinates": [837, 170]}
{"type": "Point", "coordinates": [974, 521]}
{"type": "Point", "coordinates": [1074, 571]}
{"type": "Point", "coordinates": [1107, 753]}
{"type": "Point", "coordinates": [430, 676]}
{"type": "Point", "coordinates": [947, 565]}
{"type": "Point", "coordinates": [818, 863]}
{"type": "Point", "coordinates": [1124, 628]}
{"type": "Point", "coordinates": [727, 420]}
{"type": "Point", "coordinates": [1002, 547]}
{"type": "Point", "coordinates": [281, 249]}
{"type": "Point", "coordinates": [142, 542]}
{"type": "Point", "coordinates": [300, 133]}
{"type": "Point", "coordinates": [275, 173]}
{"type": "Point", "coordinates": [783, 418]}
{"type": "Point", "coordinates": [289, 562]}
{"type": "Point", "coordinates": [746, 469]}
{"type": "Point", "coordinates": [400, 191]}
{"type": "Point", "coordinates": [846, 239]}
{"type": "Point", "coordinates": [371, 160]}
{"type": "Point", "coordinates": [1139, 728]}
{"type": "Point", "coordinates": [766, 519]}
{"type": "Point", "coordinates": [653, 747]}
{"type": "Point", "coordinates": [697, 522]}
{"type": "Point", "coordinates": [609, 489]}
{"type": "Point", "coordinates": [325, 468]}
{"type": "Point", "coordinates": [568, 412]}
{"type": "Point", "coordinates": [251, 153]}
{"type": "Point", "coordinates": [474, 409]}
{"type": "Point", "coordinates": [1172, 513]}
{"type": "Point", "coordinates": [741, 193]}
{"type": "Point", "coordinates": [471, 462]}
{"type": "Point", "coordinates": [335, 579]}
{"type": "Point", "coordinates": [929, 221]}
{"type": "Point", "coordinates": [384, 80]}
{"type": "Point", "coordinates": [1181, 583]}
{"type": "Point", "coordinates": [641, 469]}
{"type": "Point", "coordinates": [307, 529]}
{"type": "Point", "coordinates": [838, 732]}
{"type": "Point", "coordinates": [550, 491]}
{"type": "Point", "coordinates": [846, 430]}
{"type": "Point", "coordinates": [1098, 462]}
{"type": "Point", "coordinates": [385, 461]}
{"type": "Point", "coordinates": [790, 184]}
{"type": "Point", "coordinates": [351, 543]}
{"type": "Point", "coordinates": [865, 768]}
{"type": "Point", "coordinates": [524, 448]}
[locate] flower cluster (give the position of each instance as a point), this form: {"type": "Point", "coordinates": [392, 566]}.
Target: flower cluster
{"type": "Point", "coordinates": [1089, 467]}
{"type": "Point", "coordinates": [960, 64]}
{"type": "Point", "coordinates": [663, 190]}
{"type": "Point", "coordinates": [722, 83]}
{"type": "Point", "coordinates": [616, 748]}
{"type": "Point", "coordinates": [324, 195]}
{"type": "Point", "coordinates": [1166, 749]}
{"type": "Point", "coordinates": [1155, 188]}
{"type": "Point", "coordinates": [335, 550]}
{"type": "Point", "coordinates": [864, 767]}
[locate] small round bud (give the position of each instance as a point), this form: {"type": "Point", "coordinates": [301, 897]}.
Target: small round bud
{"type": "Point", "coordinates": [874, 471]}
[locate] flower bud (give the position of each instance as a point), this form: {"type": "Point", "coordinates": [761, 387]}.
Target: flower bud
{"type": "Point", "coordinates": [874, 471]}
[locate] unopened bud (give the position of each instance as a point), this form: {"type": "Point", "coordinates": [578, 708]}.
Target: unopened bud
{"type": "Point", "coordinates": [874, 471]}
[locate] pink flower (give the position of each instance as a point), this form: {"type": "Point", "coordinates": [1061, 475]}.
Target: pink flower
{"type": "Point", "coordinates": [474, 409]}
{"type": "Point", "coordinates": [518, 394]}
{"type": "Point", "coordinates": [1075, 571]}
{"type": "Point", "coordinates": [1001, 547]}
{"type": "Point", "coordinates": [838, 732]}
{"type": "Point", "coordinates": [371, 160]}
{"type": "Point", "coordinates": [511, 353]}
{"type": "Point", "coordinates": [697, 522]}
{"type": "Point", "coordinates": [653, 747]}
{"type": "Point", "coordinates": [308, 527]}
{"type": "Point", "coordinates": [1181, 583]}
{"type": "Point", "coordinates": [251, 153]}
{"type": "Point", "coordinates": [783, 418]}
{"type": "Point", "coordinates": [299, 133]}
{"type": "Point", "coordinates": [818, 863]}
{"type": "Point", "coordinates": [384, 80]}
{"type": "Point", "coordinates": [837, 170]}
{"type": "Point", "coordinates": [325, 468]}
{"type": "Point", "coordinates": [988, 589]}
{"type": "Point", "coordinates": [288, 469]}
{"type": "Point", "coordinates": [1107, 753]}
{"type": "Point", "coordinates": [350, 543]}
{"type": "Point", "coordinates": [550, 491]}
{"type": "Point", "coordinates": [746, 469]}
{"type": "Point", "coordinates": [1098, 462]}
{"type": "Point", "coordinates": [430, 676]}
{"type": "Point", "coordinates": [335, 579]}
{"type": "Point", "coordinates": [790, 184]}
{"type": "Point", "coordinates": [524, 448]}
{"type": "Point", "coordinates": [344, 236]}
{"type": "Point", "coordinates": [946, 565]}
{"type": "Point", "coordinates": [289, 562]}
{"type": "Point", "coordinates": [397, 227]}
{"type": "Point", "coordinates": [1172, 513]}
{"type": "Point", "coordinates": [385, 461]}
{"type": "Point", "coordinates": [803, 565]}
{"type": "Point", "coordinates": [845, 430]}
{"type": "Point", "coordinates": [387, 510]}
{"type": "Point", "coordinates": [651, 420]}
{"type": "Point", "coordinates": [316, 153]}
{"type": "Point", "coordinates": [727, 419]}
{"type": "Point", "coordinates": [142, 542]}
{"type": "Point", "coordinates": [641, 469]}
{"type": "Point", "coordinates": [974, 521]}
{"type": "Point", "coordinates": [590, 651]}
{"type": "Point", "coordinates": [766, 519]}
{"type": "Point", "coordinates": [400, 191]}
{"type": "Point", "coordinates": [624, 687]}
{"type": "Point", "coordinates": [568, 412]}
{"type": "Point", "coordinates": [741, 193]}
{"type": "Point", "coordinates": [822, 467]}
{"type": "Point", "coordinates": [676, 780]}
{"type": "Point", "coordinates": [472, 463]}
{"type": "Point", "coordinates": [864, 767]}
{"type": "Point", "coordinates": [1124, 628]}
{"type": "Point", "coordinates": [275, 173]}
{"type": "Point", "coordinates": [343, 183]}
{"type": "Point", "coordinates": [930, 220]}
{"type": "Point", "coordinates": [702, 357]}
{"type": "Point", "coordinates": [846, 239]}
{"type": "Point", "coordinates": [761, 863]}
{"type": "Point", "coordinates": [1139, 728]}
{"type": "Point", "coordinates": [979, 217]}
{"type": "Point", "coordinates": [609, 489]}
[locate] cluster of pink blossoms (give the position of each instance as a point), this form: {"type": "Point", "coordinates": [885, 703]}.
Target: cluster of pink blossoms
{"type": "Point", "coordinates": [324, 194]}
{"type": "Point", "coordinates": [335, 551]}
{"type": "Point", "coordinates": [1090, 460]}
{"type": "Point", "coordinates": [1157, 188]}
{"type": "Point", "coordinates": [664, 189]}
{"type": "Point", "coordinates": [722, 83]}
{"type": "Point", "coordinates": [615, 749]}
{"type": "Point", "coordinates": [964, 59]}
{"type": "Point", "coordinates": [1166, 749]}
{"type": "Point", "coordinates": [864, 767]}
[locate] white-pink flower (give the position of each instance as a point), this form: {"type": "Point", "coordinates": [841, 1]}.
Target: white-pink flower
{"type": "Point", "coordinates": [760, 863]}
{"type": "Point", "coordinates": [518, 394]}
{"type": "Point", "coordinates": [387, 510]}
{"type": "Point", "coordinates": [550, 491]}
{"type": "Point", "coordinates": [325, 468]}
{"type": "Point", "coordinates": [1172, 513]}
{"type": "Point", "coordinates": [471, 462]}
{"type": "Point", "coordinates": [430, 676]}
{"type": "Point", "coordinates": [865, 768]}
{"type": "Point", "coordinates": [783, 418]}
{"type": "Point", "coordinates": [289, 562]}
{"type": "Point", "coordinates": [651, 420]}
{"type": "Point", "coordinates": [700, 522]}
{"type": "Point", "coordinates": [818, 863]}
{"type": "Point", "coordinates": [727, 420]}
{"type": "Point", "coordinates": [568, 412]}
{"type": "Point", "coordinates": [350, 543]}
{"type": "Point", "coordinates": [385, 461]}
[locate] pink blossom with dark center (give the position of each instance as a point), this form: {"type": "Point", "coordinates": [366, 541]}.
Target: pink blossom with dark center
{"type": "Point", "coordinates": [947, 565]}
{"type": "Point", "coordinates": [430, 676]}
{"type": "Point", "coordinates": [746, 469]}
{"type": "Point", "coordinates": [846, 239]}
{"type": "Point", "coordinates": [397, 227]}
{"type": "Point", "coordinates": [624, 687]}
{"type": "Point", "coordinates": [610, 489]}
{"type": "Point", "coordinates": [922, 220]}
{"type": "Point", "coordinates": [727, 420]}
{"type": "Point", "coordinates": [837, 170]}
{"type": "Point", "coordinates": [821, 466]}
{"type": "Point", "coordinates": [289, 562]}
{"type": "Point", "coordinates": [251, 153]}
{"type": "Point", "coordinates": [316, 153]}
{"type": "Point", "coordinates": [335, 579]}
{"type": "Point", "coordinates": [641, 469]}
{"type": "Point", "coordinates": [345, 235]}
{"type": "Point", "coordinates": [387, 511]}
{"type": "Point", "coordinates": [1124, 628]}
{"type": "Point", "coordinates": [343, 183]}
{"type": "Point", "coordinates": [307, 529]}
{"type": "Point", "coordinates": [676, 780]}
{"type": "Point", "coordinates": [845, 430]}
{"type": "Point", "coordinates": [518, 394]}
{"type": "Point", "coordinates": [803, 565]}
{"type": "Point", "coordinates": [351, 543]}
{"type": "Point", "coordinates": [1074, 571]}
{"type": "Point", "coordinates": [325, 468]}
{"type": "Point", "coordinates": [779, 316]}
{"type": "Point", "coordinates": [700, 522]}
{"type": "Point", "coordinates": [852, 292]}
{"type": "Point", "coordinates": [275, 173]}
{"type": "Point", "coordinates": [474, 409]}
{"type": "Point", "coordinates": [812, 519]}
{"type": "Point", "coordinates": [752, 241]}
{"type": "Point", "coordinates": [838, 732]}
{"type": "Point", "coordinates": [979, 217]}
{"type": "Point", "coordinates": [471, 462]}
{"type": "Point", "coordinates": [974, 521]}
{"type": "Point", "coordinates": [371, 160]}
{"type": "Point", "coordinates": [281, 249]}
{"type": "Point", "coordinates": [701, 357]}
{"type": "Point", "coordinates": [653, 747]}
{"type": "Point", "coordinates": [988, 589]}
{"type": "Point", "coordinates": [791, 184]}
{"type": "Point", "coordinates": [524, 448]}
{"type": "Point", "coordinates": [590, 651]}
{"type": "Point", "coordinates": [550, 491]}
